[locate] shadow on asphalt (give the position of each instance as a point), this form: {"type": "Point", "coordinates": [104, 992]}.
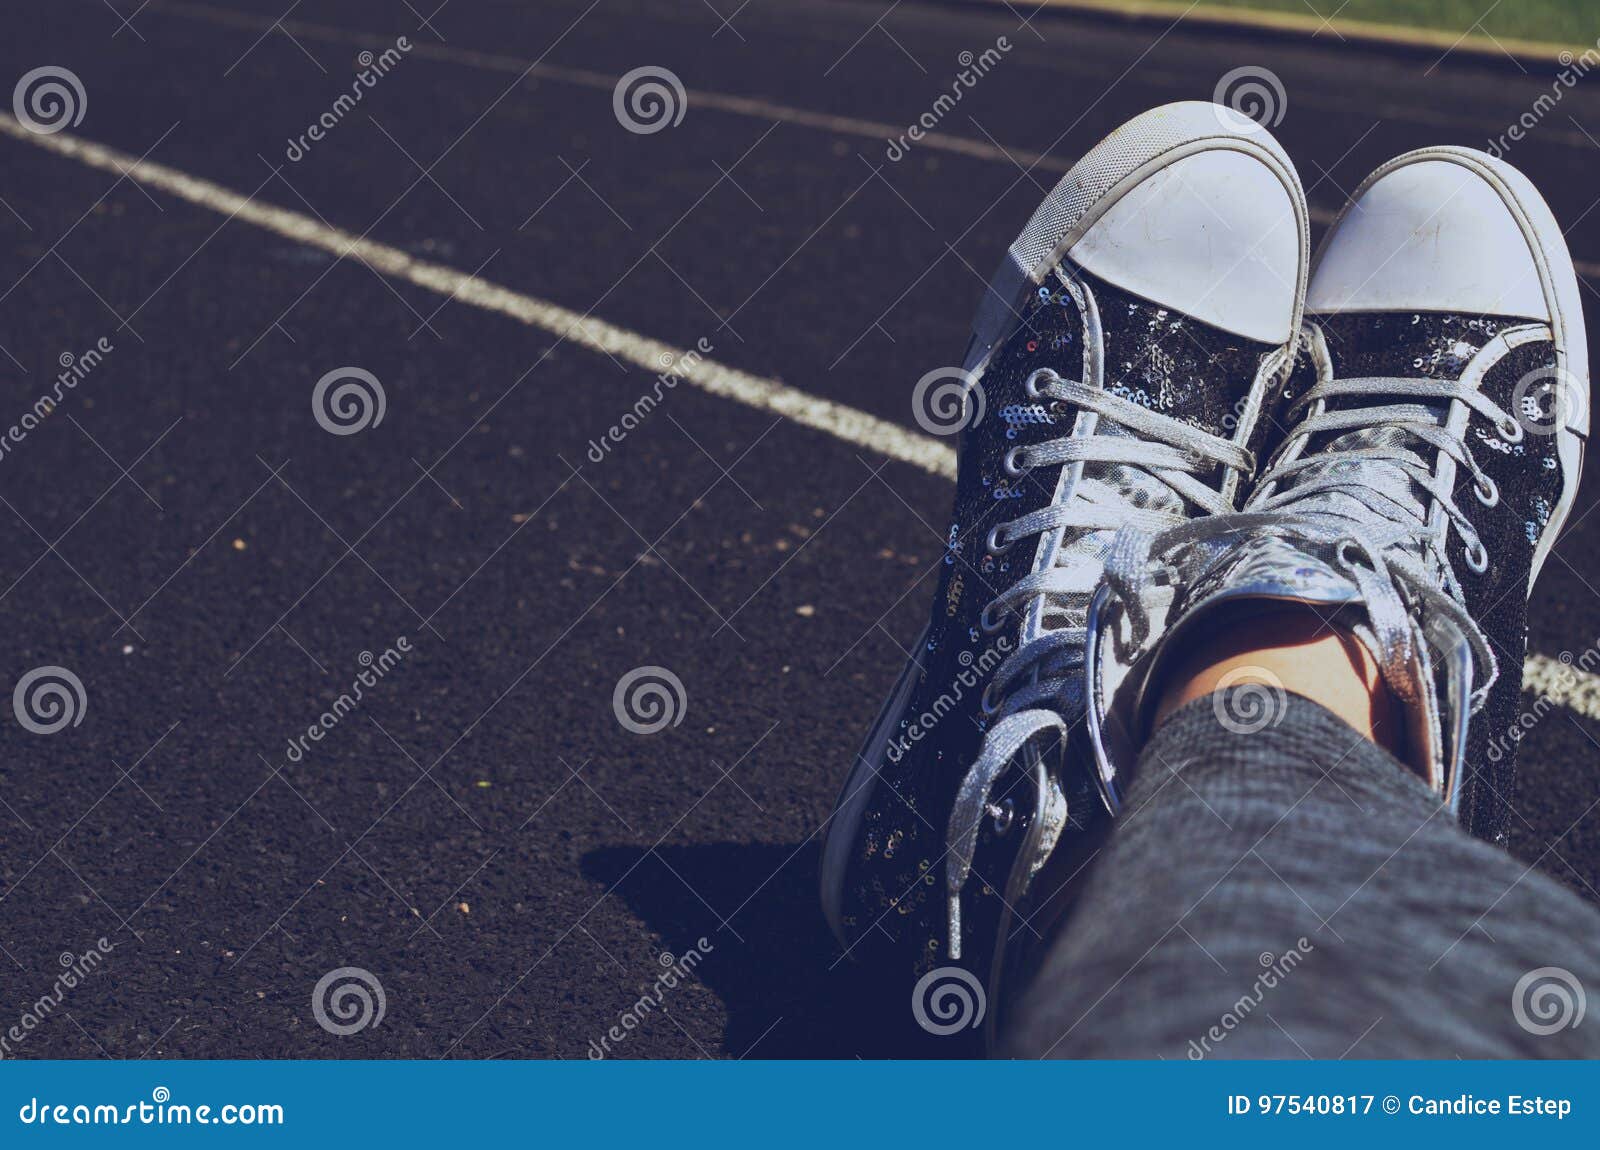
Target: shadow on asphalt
{"type": "Point", "coordinates": [786, 969]}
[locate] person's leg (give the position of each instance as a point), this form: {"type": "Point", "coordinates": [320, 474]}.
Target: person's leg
{"type": "Point", "coordinates": [1289, 648]}
{"type": "Point", "coordinates": [1277, 882]}
{"type": "Point", "coordinates": [1291, 889]}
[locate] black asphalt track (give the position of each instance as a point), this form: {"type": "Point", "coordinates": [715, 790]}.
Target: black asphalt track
{"type": "Point", "coordinates": [481, 834]}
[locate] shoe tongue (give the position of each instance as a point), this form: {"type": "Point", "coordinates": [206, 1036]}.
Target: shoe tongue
{"type": "Point", "coordinates": [1385, 476]}
{"type": "Point", "coordinates": [1168, 363]}
{"type": "Point", "coordinates": [1379, 344]}
{"type": "Point", "coordinates": [1087, 550]}
{"type": "Point", "coordinates": [1138, 488]}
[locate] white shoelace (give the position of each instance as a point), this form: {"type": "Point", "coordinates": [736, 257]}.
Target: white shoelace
{"type": "Point", "coordinates": [1135, 467]}
{"type": "Point", "coordinates": [1370, 491]}
{"type": "Point", "coordinates": [1370, 501]}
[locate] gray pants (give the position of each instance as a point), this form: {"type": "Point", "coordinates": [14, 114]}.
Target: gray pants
{"type": "Point", "coordinates": [1297, 892]}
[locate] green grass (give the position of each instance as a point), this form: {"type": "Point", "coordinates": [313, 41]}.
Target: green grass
{"type": "Point", "coordinates": [1563, 21]}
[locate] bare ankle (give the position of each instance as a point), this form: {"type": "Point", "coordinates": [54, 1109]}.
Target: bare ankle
{"type": "Point", "coordinates": [1290, 648]}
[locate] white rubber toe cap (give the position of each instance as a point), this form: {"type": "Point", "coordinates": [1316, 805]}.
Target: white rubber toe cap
{"type": "Point", "coordinates": [1214, 235]}
{"type": "Point", "coordinates": [1191, 205]}
{"type": "Point", "coordinates": [1433, 232]}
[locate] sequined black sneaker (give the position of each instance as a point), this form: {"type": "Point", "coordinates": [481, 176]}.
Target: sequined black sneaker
{"type": "Point", "coordinates": [1433, 453]}
{"type": "Point", "coordinates": [1116, 375]}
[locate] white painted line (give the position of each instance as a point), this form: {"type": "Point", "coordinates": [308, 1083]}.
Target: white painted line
{"type": "Point", "coordinates": [1565, 685]}
{"type": "Point", "coordinates": [763, 110]}
{"type": "Point", "coordinates": [1182, 85]}
{"type": "Point", "coordinates": [721, 101]}
{"type": "Point", "coordinates": [846, 423]}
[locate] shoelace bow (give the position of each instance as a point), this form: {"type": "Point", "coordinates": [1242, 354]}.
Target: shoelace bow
{"type": "Point", "coordinates": [1026, 695]}
{"type": "Point", "coordinates": [1370, 496]}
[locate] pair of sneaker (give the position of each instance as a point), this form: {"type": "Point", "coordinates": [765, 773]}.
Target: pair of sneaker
{"type": "Point", "coordinates": [1178, 410]}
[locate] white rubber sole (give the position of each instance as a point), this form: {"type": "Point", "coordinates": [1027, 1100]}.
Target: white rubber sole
{"type": "Point", "coordinates": [845, 825]}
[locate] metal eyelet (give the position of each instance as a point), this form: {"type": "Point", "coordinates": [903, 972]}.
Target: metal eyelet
{"type": "Point", "coordinates": [1012, 462]}
{"type": "Point", "coordinates": [998, 543]}
{"type": "Point", "coordinates": [1510, 430]}
{"type": "Point", "coordinates": [1484, 488]}
{"type": "Point", "coordinates": [1030, 386]}
{"type": "Point", "coordinates": [1477, 557]}
{"type": "Point", "coordinates": [988, 704]}
{"type": "Point", "coordinates": [988, 625]}
{"type": "Point", "coordinates": [1003, 816]}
